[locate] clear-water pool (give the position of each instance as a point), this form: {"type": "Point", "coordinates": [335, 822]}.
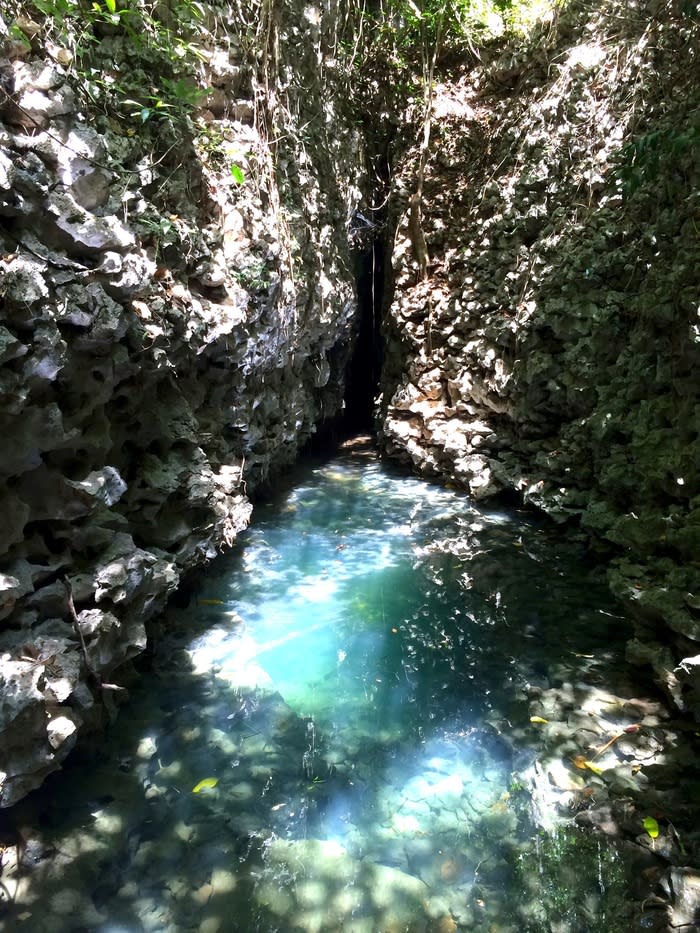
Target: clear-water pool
{"type": "Point", "coordinates": [330, 737]}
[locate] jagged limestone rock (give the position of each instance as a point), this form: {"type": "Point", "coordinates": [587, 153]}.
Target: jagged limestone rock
{"type": "Point", "coordinates": [9, 592]}
{"type": "Point", "coordinates": [168, 339]}
{"type": "Point", "coordinates": [552, 347]}
{"type": "Point", "coordinates": [29, 691]}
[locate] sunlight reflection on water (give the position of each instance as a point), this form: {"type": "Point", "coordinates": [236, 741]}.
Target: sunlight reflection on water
{"type": "Point", "coordinates": [329, 742]}
{"type": "Point", "coordinates": [358, 612]}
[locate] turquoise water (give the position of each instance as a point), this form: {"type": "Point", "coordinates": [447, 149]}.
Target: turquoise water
{"type": "Point", "coordinates": [332, 734]}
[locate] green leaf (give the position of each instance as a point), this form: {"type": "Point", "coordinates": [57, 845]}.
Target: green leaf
{"type": "Point", "coordinates": [237, 173]}
{"type": "Point", "coordinates": [205, 784]}
{"type": "Point", "coordinates": [111, 5]}
{"type": "Point", "coordinates": [19, 37]}
{"type": "Point", "coordinates": [651, 826]}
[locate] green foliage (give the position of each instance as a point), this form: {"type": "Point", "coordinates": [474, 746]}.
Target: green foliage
{"type": "Point", "coordinates": [17, 36]}
{"type": "Point", "coordinates": [662, 153]}
{"type": "Point", "coordinates": [108, 12]}
{"type": "Point", "coordinates": [255, 276]}
{"type": "Point", "coordinates": [149, 47]}
{"type": "Point", "coordinates": [159, 230]}
{"type": "Point", "coordinates": [388, 49]}
{"type": "Point", "coordinates": [220, 151]}
{"type": "Point", "coordinates": [173, 100]}
{"type": "Point", "coordinates": [407, 26]}
{"type": "Point", "coordinates": [691, 9]}
{"type": "Point", "coordinates": [57, 10]}
{"type": "Point", "coordinates": [237, 173]}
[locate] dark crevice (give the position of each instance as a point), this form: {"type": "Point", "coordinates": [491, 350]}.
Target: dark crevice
{"type": "Point", "coordinates": [365, 366]}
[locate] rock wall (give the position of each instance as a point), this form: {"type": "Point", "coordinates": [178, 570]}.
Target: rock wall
{"type": "Point", "coordinates": [553, 346]}
{"type": "Point", "coordinates": [177, 311]}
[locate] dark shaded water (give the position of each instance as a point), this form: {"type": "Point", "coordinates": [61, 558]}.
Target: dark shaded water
{"type": "Point", "coordinates": [333, 734]}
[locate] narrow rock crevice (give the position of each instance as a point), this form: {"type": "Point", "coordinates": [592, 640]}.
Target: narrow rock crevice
{"type": "Point", "coordinates": [365, 364]}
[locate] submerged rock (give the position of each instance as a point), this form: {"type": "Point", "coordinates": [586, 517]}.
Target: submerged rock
{"type": "Point", "coordinates": [344, 886]}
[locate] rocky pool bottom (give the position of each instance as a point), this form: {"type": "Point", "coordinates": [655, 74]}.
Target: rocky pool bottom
{"type": "Point", "coordinates": [385, 710]}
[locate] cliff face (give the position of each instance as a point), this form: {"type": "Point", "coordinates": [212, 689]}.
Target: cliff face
{"type": "Point", "coordinates": [552, 347]}
{"type": "Point", "coordinates": [176, 319]}
{"type": "Point", "coordinates": [178, 310]}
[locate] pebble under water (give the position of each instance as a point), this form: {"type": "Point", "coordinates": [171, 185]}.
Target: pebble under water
{"type": "Point", "coordinates": [332, 735]}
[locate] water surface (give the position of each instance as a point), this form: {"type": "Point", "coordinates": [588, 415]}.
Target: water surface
{"type": "Point", "coordinates": [330, 736]}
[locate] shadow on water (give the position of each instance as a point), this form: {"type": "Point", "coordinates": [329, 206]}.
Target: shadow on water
{"type": "Point", "coordinates": [343, 731]}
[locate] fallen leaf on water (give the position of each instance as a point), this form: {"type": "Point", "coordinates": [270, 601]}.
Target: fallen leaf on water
{"type": "Point", "coordinates": [211, 602]}
{"type": "Point", "coordinates": [583, 764]}
{"type": "Point", "coordinates": [651, 826]}
{"type": "Point", "coordinates": [205, 784]}
{"type": "Point", "coordinates": [538, 719]}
